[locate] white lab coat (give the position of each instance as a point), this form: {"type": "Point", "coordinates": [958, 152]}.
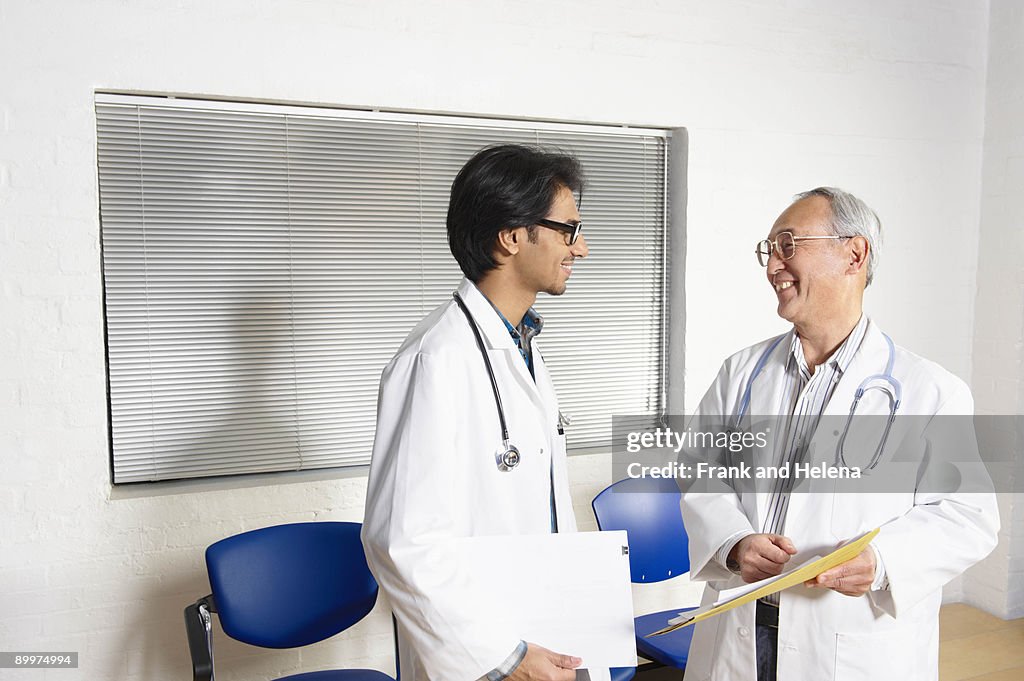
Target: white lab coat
{"type": "Point", "coordinates": [926, 539]}
{"type": "Point", "coordinates": [433, 479]}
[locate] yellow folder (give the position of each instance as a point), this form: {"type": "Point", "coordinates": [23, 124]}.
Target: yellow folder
{"type": "Point", "coordinates": [797, 576]}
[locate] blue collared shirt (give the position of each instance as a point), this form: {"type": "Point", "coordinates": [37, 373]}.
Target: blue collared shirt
{"type": "Point", "coordinates": [523, 335]}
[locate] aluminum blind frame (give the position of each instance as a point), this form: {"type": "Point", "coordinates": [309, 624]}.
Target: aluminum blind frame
{"type": "Point", "coordinates": [263, 263]}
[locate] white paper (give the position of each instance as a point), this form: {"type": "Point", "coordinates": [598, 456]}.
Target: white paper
{"type": "Point", "coordinates": [567, 592]}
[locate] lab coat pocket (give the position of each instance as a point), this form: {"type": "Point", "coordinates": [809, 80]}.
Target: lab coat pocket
{"type": "Point", "coordinates": [888, 654]}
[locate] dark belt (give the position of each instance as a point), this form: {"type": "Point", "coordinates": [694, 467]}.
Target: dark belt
{"type": "Point", "coordinates": [767, 615]}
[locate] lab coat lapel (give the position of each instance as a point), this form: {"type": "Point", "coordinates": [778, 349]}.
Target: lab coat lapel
{"type": "Point", "coordinates": [870, 359]}
{"type": "Point", "coordinates": [764, 401]}
{"type": "Point", "coordinates": [544, 387]}
{"type": "Point", "coordinates": [764, 391]}
{"type": "Point", "coordinates": [559, 473]}
{"type": "Point", "coordinates": [501, 349]}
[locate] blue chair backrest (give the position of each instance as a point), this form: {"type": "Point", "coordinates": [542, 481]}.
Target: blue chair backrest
{"type": "Point", "coordinates": [648, 509]}
{"type": "Point", "coordinates": [290, 585]}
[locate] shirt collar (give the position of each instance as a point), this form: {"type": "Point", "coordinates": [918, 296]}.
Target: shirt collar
{"type": "Point", "coordinates": [529, 326]}
{"type": "Point", "coordinates": [840, 359]}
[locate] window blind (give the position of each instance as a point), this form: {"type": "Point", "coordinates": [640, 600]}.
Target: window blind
{"type": "Point", "coordinates": [262, 264]}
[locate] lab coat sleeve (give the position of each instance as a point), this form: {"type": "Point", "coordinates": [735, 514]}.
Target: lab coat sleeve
{"type": "Point", "coordinates": [712, 513]}
{"type": "Point", "coordinates": [414, 502]}
{"type": "Point", "coordinates": [945, 532]}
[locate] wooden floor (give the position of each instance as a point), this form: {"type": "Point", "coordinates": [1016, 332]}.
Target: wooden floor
{"type": "Point", "coordinates": [972, 645]}
{"type": "Point", "coordinates": [975, 645]}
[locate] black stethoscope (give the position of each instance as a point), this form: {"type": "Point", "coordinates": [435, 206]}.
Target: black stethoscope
{"type": "Point", "coordinates": [508, 457]}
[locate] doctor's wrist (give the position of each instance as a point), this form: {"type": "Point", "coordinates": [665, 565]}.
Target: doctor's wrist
{"type": "Point", "coordinates": [511, 663]}
{"type": "Point", "coordinates": [725, 556]}
{"type": "Point", "coordinates": [881, 581]}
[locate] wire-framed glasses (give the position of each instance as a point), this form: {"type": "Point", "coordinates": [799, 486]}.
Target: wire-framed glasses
{"type": "Point", "coordinates": [784, 244]}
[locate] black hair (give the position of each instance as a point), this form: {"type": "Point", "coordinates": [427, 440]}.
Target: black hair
{"type": "Point", "coordinates": [502, 187]}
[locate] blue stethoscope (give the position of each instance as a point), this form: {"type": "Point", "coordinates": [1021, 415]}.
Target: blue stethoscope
{"type": "Point", "coordinates": [885, 383]}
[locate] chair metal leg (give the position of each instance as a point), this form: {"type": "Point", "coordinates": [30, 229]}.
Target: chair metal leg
{"type": "Point", "coordinates": [198, 627]}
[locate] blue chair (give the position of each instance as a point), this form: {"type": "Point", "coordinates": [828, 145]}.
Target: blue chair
{"type": "Point", "coordinates": [648, 509]}
{"type": "Point", "coordinates": [623, 673]}
{"type": "Point", "coordinates": [285, 586]}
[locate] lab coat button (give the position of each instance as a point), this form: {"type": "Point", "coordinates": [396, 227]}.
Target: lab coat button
{"type": "Point", "coordinates": [744, 632]}
{"type": "Point", "coordinates": [541, 450]}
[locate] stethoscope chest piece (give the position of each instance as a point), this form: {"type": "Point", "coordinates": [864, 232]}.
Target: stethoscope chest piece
{"type": "Point", "coordinates": [507, 458]}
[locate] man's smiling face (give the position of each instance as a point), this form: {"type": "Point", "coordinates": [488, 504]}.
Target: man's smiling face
{"type": "Point", "coordinates": [811, 282]}
{"type": "Point", "coordinates": [546, 259]}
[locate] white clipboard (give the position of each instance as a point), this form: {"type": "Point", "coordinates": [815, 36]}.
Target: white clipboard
{"type": "Point", "coordinates": [567, 592]}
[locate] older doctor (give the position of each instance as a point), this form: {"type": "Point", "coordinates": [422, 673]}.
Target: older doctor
{"type": "Point", "coordinates": [876, 616]}
{"type": "Point", "coordinates": [515, 230]}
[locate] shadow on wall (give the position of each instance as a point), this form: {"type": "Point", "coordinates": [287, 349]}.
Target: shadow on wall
{"type": "Point", "coordinates": [243, 391]}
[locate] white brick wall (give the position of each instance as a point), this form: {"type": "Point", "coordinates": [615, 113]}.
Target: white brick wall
{"type": "Point", "coordinates": [886, 98]}
{"type": "Point", "coordinates": [997, 584]}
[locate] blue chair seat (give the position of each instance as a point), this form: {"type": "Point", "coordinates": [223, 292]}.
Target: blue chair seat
{"type": "Point", "coordinates": [623, 673]}
{"type": "Point", "coordinates": [340, 675]}
{"type": "Point", "coordinates": [671, 649]}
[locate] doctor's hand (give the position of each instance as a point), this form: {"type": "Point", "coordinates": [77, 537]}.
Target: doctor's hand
{"type": "Point", "coordinates": [760, 556]}
{"type": "Point", "coordinates": [540, 664]}
{"type": "Point", "coordinates": [852, 578]}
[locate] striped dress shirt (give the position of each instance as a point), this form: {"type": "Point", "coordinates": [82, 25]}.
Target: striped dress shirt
{"type": "Point", "coordinates": [802, 398]}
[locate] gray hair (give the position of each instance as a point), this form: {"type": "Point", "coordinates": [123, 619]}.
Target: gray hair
{"type": "Point", "coordinates": [851, 217]}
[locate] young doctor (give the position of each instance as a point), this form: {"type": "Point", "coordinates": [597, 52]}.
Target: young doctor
{"type": "Point", "coordinates": [875, 616]}
{"type": "Point", "coordinates": [468, 438]}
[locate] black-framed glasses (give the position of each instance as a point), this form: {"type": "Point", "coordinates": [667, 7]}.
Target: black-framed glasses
{"type": "Point", "coordinates": [785, 244]}
{"type": "Point", "coordinates": [572, 229]}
